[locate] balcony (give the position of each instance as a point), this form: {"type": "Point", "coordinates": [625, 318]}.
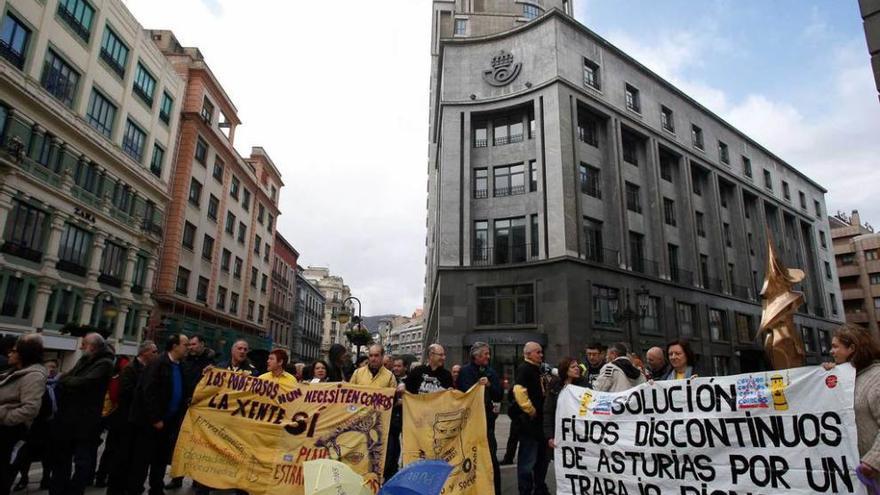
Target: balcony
{"type": "Point", "coordinates": [743, 292]}
{"type": "Point", "coordinates": [110, 280]}
{"type": "Point", "coordinates": [58, 84]}
{"type": "Point", "coordinates": [151, 227]}
{"type": "Point", "coordinates": [604, 256]}
{"type": "Point", "coordinates": [509, 191]}
{"type": "Point", "coordinates": [683, 277]}
{"type": "Point", "coordinates": [71, 267]}
{"type": "Point", "coordinates": [112, 63]}
{"type": "Point", "coordinates": [852, 293]}
{"type": "Point", "coordinates": [504, 256]}
{"type": "Point", "coordinates": [645, 266]}
{"type": "Point", "coordinates": [15, 58]}
{"type": "Point", "coordinates": [513, 138]}
{"type": "Point", "coordinates": [481, 193]}
{"type": "Point", "coordinates": [142, 95]}
{"type": "Point", "coordinates": [21, 251]}
{"type": "Point", "coordinates": [819, 311]}
{"type": "Point", "coordinates": [715, 285]}
{"type": "Point", "coordinates": [857, 317]}
{"type": "Point", "coordinates": [74, 23]}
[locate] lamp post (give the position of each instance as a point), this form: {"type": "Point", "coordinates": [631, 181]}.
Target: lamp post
{"type": "Point", "coordinates": [356, 336]}
{"type": "Point", "coordinates": [109, 311]}
{"type": "Point", "coordinates": [627, 315]}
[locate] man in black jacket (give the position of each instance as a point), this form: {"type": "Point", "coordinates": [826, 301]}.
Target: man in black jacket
{"type": "Point", "coordinates": [531, 466]}
{"type": "Point", "coordinates": [431, 377]}
{"type": "Point", "coordinates": [80, 394]}
{"type": "Point", "coordinates": [158, 405]}
{"type": "Point", "coordinates": [238, 360]}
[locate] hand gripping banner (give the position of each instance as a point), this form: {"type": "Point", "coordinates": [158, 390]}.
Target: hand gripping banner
{"type": "Point", "coordinates": [450, 426]}
{"type": "Point", "coordinates": [787, 431]}
{"type": "Point", "coordinates": [243, 432]}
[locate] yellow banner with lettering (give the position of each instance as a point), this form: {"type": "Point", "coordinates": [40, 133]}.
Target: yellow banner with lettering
{"type": "Point", "coordinates": [251, 434]}
{"type": "Point", "coordinates": [450, 426]}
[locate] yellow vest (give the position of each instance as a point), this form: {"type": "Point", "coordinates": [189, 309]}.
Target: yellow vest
{"type": "Point", "coordinates": [286, 381]}
{"type": "Point", "coordinates": [383, 379]}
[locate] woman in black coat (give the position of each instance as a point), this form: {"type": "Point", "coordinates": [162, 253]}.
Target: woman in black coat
{"type": "Point", "coordinates": [568, 372]}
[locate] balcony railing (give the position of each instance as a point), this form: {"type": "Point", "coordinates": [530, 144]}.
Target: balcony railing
{"type": "Point", "coordinates": [512, 254]}
{"type": "Point", "coordinates": [715, 285]}
{"type": "Point", "coordinates": [58, 84]}
{"type": "Point", "coordinates": [509, 191]}
{"type": "Point", "coordinates": [21, 251]}
{"type": "Point", "coordinates": [819, 311]}
{"type": "Point", "coordinates": [743, 292]}
{"type": "Point", "coordinates": [683, 277]}
{"type": "Point", "coordinates": [9, 53]}
{"type": "Point", "coordinates": [151, 227]}
{"type": "Point", "coordinates": [481, 193]}
{"type": "Point", "coordinates": [110, 280]}
{"type": "Point", "coordinates": [646, 266]}
{"type": "Point", "coordinates": [112, 62]}
{"type": "Point", "coordinates": [481, 143]}
{"type": "Point", "coordinates": [609, 257]}
{"type": "Point", "coordinates": [513, 138]}
{"type": "Point", "coordinates": [71, 267]}
{"type": "Point", "coordinates": [74, 23]}
{"type": "Point", "coordinates": [142, 95]}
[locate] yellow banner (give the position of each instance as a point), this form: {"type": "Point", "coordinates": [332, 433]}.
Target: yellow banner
{"type": "Point", "coordinates": [243, 432]}
{"type": "Point", "coordinates": [450, 426]}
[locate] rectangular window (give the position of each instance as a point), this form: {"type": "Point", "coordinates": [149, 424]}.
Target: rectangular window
{"type": "Point", "coordinates": [701, 224]}
{"type": "Point", "coordinates": [632, 98]}
{"type": "Point", "coordinates": [686, 319]}
{"type": "Point", "coordinates": [78, 14]}
{"type": "Point", "coordinates": [828, 270]}
{"type": "Point", "coordinates": [588, 128]}
{"type": "Point", "coordinates": [213, 206]}
{"type": "Point", "coordinates": [250, 309]}
{"type": "Point", "coordinates": [121, 198]}
{"type": "Point", "coordinates": [667, 120]}
{"type": "Point", "coordinates": [630, 150]}
{"type": "Point", "coordinates": [101, 113]}
{"type": "Point", "coordinates": [633, 199]}
{"type": "Point", "coordinates": [824, 342]}
{"type": "Point", "coordinates": [481, 241]}
{"type": "Point", "coordinates": [230, 223]}
{"type": "Point", "coordinates": [637, 252]}
{"type": "Point", "coordinates": [786, 191]}
{"type": "Point", "coordinates": [507, 130]}
{"type": "Point", "coordinates": [114, 52]}
{"type": "Point", "coordinates": [667, 167]}
{"type": "Point", "coordinates": [510, 240]}
{"type": "Point", "coordinates": [744, 330]}
{"type": "Point", "coordinates": [507, 305]}
{"type": "Point", "coordinates": [823, 241]}
{"type": "Point", "coordinates": [207, 112]}
{"type": "Point", "coordinates": [133, 141]}
{"type": "Point", "coordinates": [225, 260]}
{"type": "Point", "coordinates": [59, 78]}
{"type": "Point", "coordinates": [195, 192]}
{"type": "Point", "coordinates": [140, 274]}
{"type": "Point", "coordinates": [261, 213]}
{"type": "Point", "coordinates": [233, 303]}
{"type": "Point", "coordinates": [221, 298]}
{"type": "Point", "coordinates": [833, 301]}
{"type": "Point", "coordinates": [720, 365]}
{"type": "Point", "coordinates": [803, 199]}
{"type": "Point", "coordinates": [258, 243]}
{"type": "Point", "coordinates": [144, 84]}
{"type": "Point", "coordinates": [530, 11]}
{"type": "Point", "coordinates": [533, 236]}
{"type": "Point", "coordinates": [728, 237]}
{"type": "Point", "coordinates": [649, 306]}
{"type": "Point", "coordinates": [202, 290]}
{"type": "Point", "coordinates": [669, 211]}
{"type": "Point", "coordinates": [201, 154]}
{"type": "Point", "coordinates": [747, 167]}
{"type": "Point", "coordinates": [73, 250]}
{"type": "Point", "coordinates": [591, 74]}
{"type": "Point", "coordinates": [242, 232]}
{"type": "Point", "coordinates": [182, 280]}
{"type": "Point", "coordinates": [254, 274]}
{"type": "Point", "coordinates": [113, 264]}
{"type": "Point", "coordinates": [264, 281]}
{"type": "Point", "coordinates": [751, 241]}
{"type": "Point", "coordinates": [236, 268]}
{"type": "Point", "coordinates": [768, 180]}
{"type": "Point", "coordinates": [218, 169]}
{"type": "Point", "coordinates": [269, 220]}
{"type": "Point", "coordinates": [817, 208]}
{"type": "Point", "coordinates": [189, 235]}
{"type": "Point", "coordinates": [14, 37]}
{"type": "Point", "coordinates": [460, 27]}
{"type": "Point", "coordinates": [809, 339]}
{"type": "Point", "coordinates": [533, 176]}
{"type": "Point", "coordinates": [260, 313]}
{"type": "Point", "coordinates": [672, 254]}
{"type": "Point", "coordinates": [481, 134]}
{"type": "Point", "coordinates": [157, 159]}
{"type": "Point", "coordinates": [704, 270]}
{"type": "Point", "coordinates": [697, 137]}
{"type": "Point", "coordinates": [207, 248]}
{"type": "Point", "coordinates": [246, 199]}
{"type": "Point", "coordinates": [718, 325]}
{"type": "Point", "coordinates": [723, 153]}
{"type": "Point", "coordinates": [25, 231]}
{"type": "Point", "coordinates": [509, 180]}
{"type": "Point", "coordinates": [605, 304]}
{"type": "Point", "coordinates": [697, 183]}
{"type": "Point", "coordinates": [166, 107]}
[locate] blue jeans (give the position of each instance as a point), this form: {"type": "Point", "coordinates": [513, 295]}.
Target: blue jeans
{"type": "Point", "coordinates": [531, 465]}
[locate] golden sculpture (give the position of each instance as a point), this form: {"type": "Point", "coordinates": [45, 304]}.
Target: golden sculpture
{"type": "Point", "coordinates": [782, 342]}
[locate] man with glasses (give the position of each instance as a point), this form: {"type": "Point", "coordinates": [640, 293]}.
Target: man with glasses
{"type": "Point", "coordinates": [431, 377]}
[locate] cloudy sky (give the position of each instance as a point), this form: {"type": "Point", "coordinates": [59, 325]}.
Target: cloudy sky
{"type": "Point", "coordinates": [339, 99]}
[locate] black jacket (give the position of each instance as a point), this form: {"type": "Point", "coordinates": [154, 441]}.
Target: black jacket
{"type": "Point", "coordinates": [243, 367]}
{"type": "Point", "coordinates": [335, 372]}
{"type": "Point", "coordinates": [470, 375]}
{"type": "Point", "coordinates": [153, 394]}
{"type": "Point", "coordinates": [528, 376]}
{"type": "Point", "coordinates": [81, 390]}
{"type": "Point", "coordinates": [422, 380]}
{"type": "Point", "coordinates": [550, 404]}
{"type": "Point", "coordinates": [193, 367]}
{"type": "Point", "coordinates": [128, 381]}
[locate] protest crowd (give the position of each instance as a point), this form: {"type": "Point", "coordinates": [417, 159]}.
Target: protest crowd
{"type": "Point", "coordinates": [135, 406]}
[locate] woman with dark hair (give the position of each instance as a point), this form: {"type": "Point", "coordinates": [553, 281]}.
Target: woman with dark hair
{"type": "Point", "coordinates": [681, 359]}
{"type": "Point", "coordinates": [568, 373]}
{"type": "Point", "coordinates": [319, 371]}
{"type": "Point", "coordinates": [855, 345]}
{"type": "Point", "coordinates": [340, 368]}
{"type": "Point", "coordinates": [21, 395]}
{"type": "Point", "coordinates": [275, 363]}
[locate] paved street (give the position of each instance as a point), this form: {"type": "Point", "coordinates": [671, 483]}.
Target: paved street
{"type": "Point", "coordinates": [502, 428]}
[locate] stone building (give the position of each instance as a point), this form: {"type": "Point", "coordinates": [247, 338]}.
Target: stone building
{"type": "Point", "coordinates": [283, 294]}
{"type": "Point", "coordinates": [857, 255]}
{"type": "Point", "coordinates": [213, 276]}
{"type": "Point", "coordinates": [335, 293]}
{"type": "Point", "coordinates": [871, 20]}
{"type": "Point", "coordinates": [88, 118]}
{"type": "Point", "coordinates": [407, 338]}
{"type": "Point", "coordinates": [308, 315]}
{"type": "Point", "coordinates": [576, 196]}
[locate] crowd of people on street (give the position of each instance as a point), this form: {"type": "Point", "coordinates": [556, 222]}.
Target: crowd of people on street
{"type": "Point", "coordinates": [135, 406]}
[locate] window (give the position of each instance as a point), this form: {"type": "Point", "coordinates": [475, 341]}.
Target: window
{"type": "Point", "coordinates": [221, 298]}
{"type": "Point", "coordinates": [140, 274]}
{"type": "Point", "coordinates": [481, 136]}
{"type": "Point", "coordinates": [264, 281]}
{"type": "Point", "coordinates": [246, 199]}
{"type": "Point", "coordinates": [669, 211]}
{"type": "Point", "coordinates": [233, 303]}
{"type": "Point", "coordinates": [269, 220]}
{"type": "Point", "coordinates": [605, 304]}
{"type": "Point", "coordinates": [201, 150]}
{"type": "Point", "coordinates": [510, 240]}
{"type": "Point", "coordinates": [59, 78]}
{"type": "Point", "coordinates": [258, 243]}
{"type": "Point", "coordinates": [650, 312]}
{"type": "Point", "coordinates": [86, 177]}
{"type": "Point", "coordinates": [833, 301]}
{"type": "Point", "coordinates": [828, 270]}
{"type": "Point", "coordinates": [704, 270]}
{"type": "Point", "coordinates": [507, 130]}
{"type": "Point", "coordinates": [242, 232]}
{"type": "Point", "coordinates": [195, 192]}
{"type": "Point", "coordinates": [588, 128]}
{"type": "Point", "coordinates": [697, 137]}
{"type": "Point", "coordinates": [530, 11]}
{"type": "Point", "coordinates": [718, 325]}
{"type": "Point", "coordinates": [213, 206]}
{"type": "Point", "coordinates": [809, 340]}
{"type": "Point", "coordinates": [182, 280]}
{"type": "Point", "coordinates": [254, 275]}
{"type": "Point", "coordinates": [786, 191]}
{"type": "Point", "coordinates": [144, 84]}
{"type": "Point", "coordinates": [202, 290]}
{"type": "Point", "coordinates": [803, 199]}
{"type": "Point", "coordinates": [817, 208]}
{"type": "Point", "coordinates": [824, 342]}
{"type": "Point", "coordinates": [533, 236]}
{"type": "Point", "coordinates": [632, 98]}
{"type": "Point", "coordinates": [189, 235]}
{"type": "Point", "coordinates": [728, 237]}
{"type": "Point", "coordinates": [230, 223]}
{"type": "Point", "coordinates": [630, 146]}
{"type": "Point", "coordinates": [233, 187]}
{"type": "Point", "coordinates": [14, 37]}
{"type": "Point", "coordinates": [822, 239]}
{"type": "Point", "coordinates": [768, 180]}
{"type": "Point", "coordinates": [507, 305]}
{"type": "Point", "coordinates": [207, 112]}
{"type": "Point", "coordinates": [633, 201]}
{"type": "Point", "coordinates": [78, 14]}
{"type": "Point", "coordinates": [697, 183]}
{"type": "Point", "coordinates": [236, 268]}
{"type": "Point", "coordinates": [481, 241]}
{"type": "Point", "coordinates": [250, 309]}
{"type": "Point", "coordinates": [744, 330]}
{"type": "Point", "coordinates": [225, 260]}
{"type": "Point", "coordinates": [720, 365]}
{"type": "Point", "coordinates": [874, 278]}
{"type": "Point", "coordinates": [871, 255]}
{"type": "Point", "coordinates": [133, 141]}
{"type": "Point", "coordinates": [509, 180]}
{"type": "Point", "coordinates": [460, 27]}
{"type": "Point", "coordinates": [166, 107]}
{"type": "Point", "coordinates": [25, 231]}
{"type": "Point", "coordinates": [672, 253]}
{"type": "Point", "coordinates": [701, 224]}
{"type": "Point", "coordinates": [667, 167]}
{"type": "Point", "coordinates": [74, 249]}
{"type": "Point", "coordinates": [207, 248]}
{"type": "Point", "coordinates": [637, 252]}
{"type": "Point", "coordinates": [533, 176]}
{"type": "Point", "coordinates": [218, 169]}
{"type": "Point", "coordinates": [686, 319]}
{"type": "Point", "coordinates": [266, 250]}
{"type": "Point", "coordinates": [747, 167]}
{"type": "Point", "coordinates": [751, 241]}
{"type": "Point", "coordinates": [667, 120]}
{"type": "Point", "coordinates": [723, 153]}
{"type": "Point", "coordinates": [114, 52]}
{"type": "Point", "coordinates": [261, 213]}
{"type": "Point", "coordinates": [121, 198]}
{"type": "Point", "coordinates": [101, 113]}
{"type": "Point", "coordinates": [591, 74]}
{"type": "Point", "coordinates": [157, 159]}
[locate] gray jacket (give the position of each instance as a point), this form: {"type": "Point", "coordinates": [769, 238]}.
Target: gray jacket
{"type": "Point", "coordinates": [21, 394]}
{"type": "Point", "coordinates": [867, 408]}
{"type": "Point", "coordinates": [618, 375]}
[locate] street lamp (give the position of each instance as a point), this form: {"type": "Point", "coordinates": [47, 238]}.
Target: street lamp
{"type": "Point", "coordinates": [356, 336]}
{"type": "Point", "coordinates": [627, 315]}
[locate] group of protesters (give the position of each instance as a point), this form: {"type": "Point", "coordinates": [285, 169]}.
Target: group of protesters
{"type": "Point", "coordinates": [60, 419]}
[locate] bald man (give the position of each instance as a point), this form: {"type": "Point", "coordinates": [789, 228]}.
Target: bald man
{"type": "Point", "coordinates": [528, 390]}
{"type": "Point", "coordinates": [657, 363]}
{"type": "Point", "coordinates": [431, 377]}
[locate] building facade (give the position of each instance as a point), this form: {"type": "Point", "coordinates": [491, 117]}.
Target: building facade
{"type": "Point", "coordinates": [213, 276]}
{"type": "Point", "coordinates": [283, 294]}
{"type": "Point", "coordinates": [407, 339]}
{"type": "Point", "coordinates": [308, 317]}
{"type": "Point", "coordinates": [871, 20]}
{"type": "Point", "coordinates": [88, 119]}
{"type": "Point", "coordinates": [335, 293]}
{"type": "Point", "coordinates": [576, 196]}
{"type": "Point", "coordinates": [857, 255]}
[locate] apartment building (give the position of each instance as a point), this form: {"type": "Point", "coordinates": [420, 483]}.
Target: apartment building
{"type": "Point", "coordinates": [857, 256]}
{"type": "Point", "coordinates": [283, 295]}
{"type": "Point", "coordinates": [335, 294]}
{"type": "Point", "coordinates": [308, 317]}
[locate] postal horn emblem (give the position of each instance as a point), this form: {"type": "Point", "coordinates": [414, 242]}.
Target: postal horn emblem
{"type": "Point", "coordinates": [503, 70]}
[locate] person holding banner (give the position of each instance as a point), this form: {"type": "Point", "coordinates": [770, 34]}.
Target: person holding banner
{"type": "Point", "coordinates": [531, 466]}
{"type": "Point", "coordinates": [479, 372]}
{"type": "Point", "coordinates": [681, 359]}
{"type": "Point", "coordinates": [431, 377]}
{"type": "Point", "coordinates": [374, 374]}
{"type": "Point", "coordinates": [276, 362]}
{"type": "Point", "coordinates": [569, 374]}
{"type": "Point", "coordinates": [855, 345]}
{"type": "Point", "coordinates": [239, 361]}
{"type": "Point", "coordinates": [319, 371]}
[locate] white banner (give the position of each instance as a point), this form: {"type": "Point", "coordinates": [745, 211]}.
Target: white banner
{"type": "Point", "coordinates": [790, 431]}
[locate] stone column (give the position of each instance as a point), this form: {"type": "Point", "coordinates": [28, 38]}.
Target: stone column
{"type": "Point", "coordinates": [50, 257]}
{"type": "Point", "coordinates": [97, 254]}
{"type": "Point", "coordinates": [143, 320]}
{"type": "Point", "coordinates": [149, 287]}
{"type": "Point", "coordinates": [88, 304]}
{"type": "Point", "coordinates": [128, 278]}
{"type": "Point", "coordinates": [5, 207]}
{"type": "Point", "coordinates": [41, 303]}
{"type": "Point", "coordinates": [119, 328]}
{"type": "Point", "coordinates": [67, 175]}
